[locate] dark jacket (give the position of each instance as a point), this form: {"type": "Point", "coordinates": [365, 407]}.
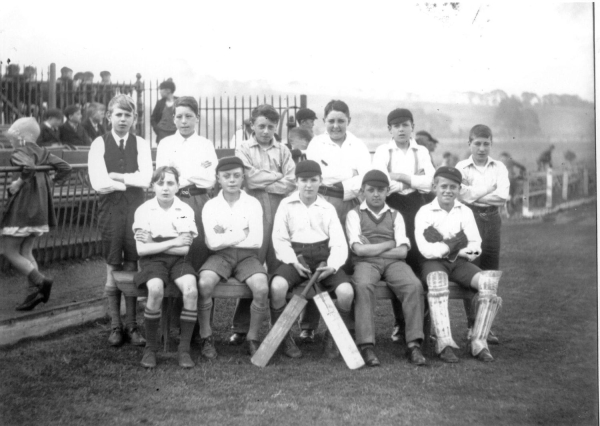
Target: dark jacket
{"type": "Point", "coordinates": [71, 136]}
{"type": "Point", "coordinates": [91, 132]}
{"type": "Point", "coordinates": [157, 111]}
{"type": "Point", "coordinates": [32, 205]}
{"type": "Point", "coordinates": [48, 136]}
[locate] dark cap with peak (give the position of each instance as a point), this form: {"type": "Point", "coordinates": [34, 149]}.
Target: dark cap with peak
{"type": "Point", "coordinates": [307, 169]}
{"type": "Point", "coordinates": [376, 178]}
{"type": "Point", "coordinates": [449, 173]}
{"type": "Point", "coordinates": [228, 163]}
{"type": "Point", "coordinates": [399, 115]}
{"type": "Point", "coordinates": [305, 114]}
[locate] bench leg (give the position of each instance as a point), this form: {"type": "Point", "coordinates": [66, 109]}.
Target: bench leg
{"type": "Point", "coordinates": [165, 322]}
{"type": "Point", "coordinates": [427, 330]}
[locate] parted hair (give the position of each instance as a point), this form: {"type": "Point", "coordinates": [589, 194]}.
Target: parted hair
{"type": "Point", "coordinates": [167, 84]}
{"type": "Point", "coordinates": [267, 111]}
{"type": "Point", "coordinates": [186, 101]}
{"type": "Point", "coordinates": [71, 109]}
{"type": "Point", "coordinates": [337, 105]}
{"type": "Point", "coordinates": [93, 107]}
{"type": "Point", "coordinates": [159, 174]}
{"type": "Point", "coordinates": [480, 131]}
{"type": "Point", "coordinates": [123, 102]}
{"type": "Point", "coordinates": [54, 113]}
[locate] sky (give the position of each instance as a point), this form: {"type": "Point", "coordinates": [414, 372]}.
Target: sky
{"type": "Point", "coordinates": [378, 48]}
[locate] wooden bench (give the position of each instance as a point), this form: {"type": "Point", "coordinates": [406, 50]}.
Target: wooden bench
{"type": "Point", "coordinates": [233, 289]}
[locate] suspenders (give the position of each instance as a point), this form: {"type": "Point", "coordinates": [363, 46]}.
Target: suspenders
{"type": "Point", "coordinates": [389, 167]}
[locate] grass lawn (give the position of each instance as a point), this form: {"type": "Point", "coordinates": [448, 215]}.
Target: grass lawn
{"type": "Point", "coordinates": [546, 369]}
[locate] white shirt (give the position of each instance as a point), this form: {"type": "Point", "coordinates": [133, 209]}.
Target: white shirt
{"type": "Point", "coordinates": [347, 164]}
{"type": "Point", "coordinates": [244, 217]}
{"type": "Point", "coordinates": [99, 175]}
{"type": "Point", "coordinates": [187, 156]}
{"type": "Point", "coordinates": [179, 218]}
{"type": "Point", "coordinates": [476, 181]}
{"type": "Point", "coordinates": [296, 222]}
{"type": "Point", "coordinates": [389, 158]}
{"type": "Point", "coordinates": [448, 224]}
{"type": "Point", "coordinates": [353, 229]}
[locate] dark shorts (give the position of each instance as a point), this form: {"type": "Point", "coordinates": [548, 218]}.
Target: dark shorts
{"type": "Point", "coordinates": [167, 267]}
{"type": "Point", "coordinates": [461, 271]}
{"type": "Point", "coordinates": [237, 262]}
{"type": "Point", "coordinates": [115, 217]}
{"type": "Point", "coordinates": [313, 255]}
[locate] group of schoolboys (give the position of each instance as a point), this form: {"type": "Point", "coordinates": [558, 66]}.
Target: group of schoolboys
{"type": "Point", "coordinates": [55, 131]}
{"type": "Point", "coordinates": [289, 218]}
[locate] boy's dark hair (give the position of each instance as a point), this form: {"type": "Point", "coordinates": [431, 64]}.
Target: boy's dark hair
{"type": "Point", "coordinates": [159, 174]}
{"type": "Point", "coordinates": [300, 133]}
{"type": "Point", "coordinates": [337, 105]}
{"type": "Point", "coordinates": [123, 102]}
{"type": "Point", "coordinates": [480, 131]}
{"type": "Point", "coordinates": [427, 135]}
{"type": "Point", "coordinates": [266, 111]}
{"type": "Point", "coordinates": [54, 113]}
{"type": "Point", "coordinates": [71, 109]}
{"type": "Point", "coordinates": [93, 107]}
{"type": "Point", "coordinates": [168, 84]}
{"type": "Point", "coordinates": [186, 101]}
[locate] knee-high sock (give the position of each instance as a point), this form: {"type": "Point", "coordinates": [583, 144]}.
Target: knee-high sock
{"type": "Point", "coordinates": [346, 315]}
{"type": "Point", "coordinates": [257, 316]}
{"type": "Point", "coordinates": [438, 308]}
{"type": "Point", "coordinates": [275, 314]}
{"type": "Point", "coordinates": [130, 311]}
{"type": "Point", "coordinates": [152, 323]}
{"type": "Point", "coordinates": [486, 307]}
{"type": "Point", "coordinates": [204, 318]}
{"type": "Point", "coordinates": [188, 321]}
{"type": "Point", "coordinates": [113, 296]}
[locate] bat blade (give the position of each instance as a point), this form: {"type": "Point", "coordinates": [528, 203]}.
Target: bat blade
{"type": "Point", "coordinates": [338, 331]}
{"type": "Point", "coordinates": [277, 333]}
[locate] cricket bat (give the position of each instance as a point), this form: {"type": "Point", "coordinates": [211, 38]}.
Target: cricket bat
{"type": "Point", "coordinates": [338, 330]}
{"type": "Point", "coordinates": [283, 325]}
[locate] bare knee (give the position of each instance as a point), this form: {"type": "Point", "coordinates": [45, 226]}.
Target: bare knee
{"type": "Point", "coordinates": [259, 285]}
{"type": "Point", "coordinates": [279, 287]}
{"type": "Point", "coordinates": [156, 291]}
{"type": "Point", "coordinates": [206, 285]}
{"type": "Point", "coordinates": [344, 293]}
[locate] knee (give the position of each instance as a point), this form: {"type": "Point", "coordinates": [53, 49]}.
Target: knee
{"type": "Point", "coordinates": [344, 292]}
{"type": "Point", "coordinates": [260, 291]}
{"type": "Point", "coordinates": [279, 287]}
{"type": "Point", "coordinates": [190, 290]}
{"type": "Point", "coordinates": [205, 286]}
{"type": "Point", "coordinates": [156, 290]}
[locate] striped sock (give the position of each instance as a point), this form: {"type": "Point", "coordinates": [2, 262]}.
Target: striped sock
{"type": "Point", "coordinates": [130, 311]}
{"type": "Point", "coordinates": [204, 318]}
{"type": "Point", "coordinates": [152, 323]}
{"type": "Point", "coordinates": [257, 316]}
{"type": "Point", "coordinates": [188, 321]}
{"type": "Point", "coordinates": [113, 296]}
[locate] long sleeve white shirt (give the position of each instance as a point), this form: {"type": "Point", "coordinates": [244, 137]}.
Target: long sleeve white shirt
{"type": "Point", "coordinates": [448, 224]}
{"type": "Point", "coordinates": [242, 222]}
{"type": "Point", "coordinates": [99, 174]}
{"type": "Point", "coordinates": [477, 180]}
{"type": "Point", "coordinates": [347, 164]}
{"type": "Point", "coordinates": [296, 222]}
{"type": "Point", "coordinates": [187, 156]}
{"type": "Point", "coordinates": [415, 162]}
{"type": "Point", "coordinates": [353, 229]}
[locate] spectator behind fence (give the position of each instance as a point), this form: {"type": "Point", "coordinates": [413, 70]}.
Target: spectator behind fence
{"type": "Point", "coordinates": [72, 131]}
{"type": "Point", "coordinates": [423, 138]}
{"type": "Point", "coordinates": [516, 173]}
{"type": "Point", "coordinates": [162, 115]}
{"type": "Point", "coordinates": [30, 212]}
{"type": "Point", "coordinates": [105, 75]}
{"type": "Point", "coordinates": [306, 119]}
{"type": "Point", "coordinates": [449, 160]}
{"type": "Point", "coordinates": [94, 117]}
{"type": "Point", "coordinates": [242, 134]}
{"type": "Point", "coordinates": [298, 140]}
{"type": "Point", "coordinates": [544, 161]}
{"type": "Point", "coordinates": [50, 133]}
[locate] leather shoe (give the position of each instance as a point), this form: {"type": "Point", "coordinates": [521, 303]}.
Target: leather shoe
{"type": "Point", "coordinates": [252, 346]}
{"type": "Point", "coordinates": [492, 339]}
{"type": "Point", "coordinates": [485, 356]}
{"type": "Point", "coordinates": [116, 337]}
{"type": "Point", "coordinates": [369, 356]}
{"type": "Point", "coordinates": [237, 338]}
{"type": "Point", "coordinates": [331, 349]}
{"type": "Point", "coordinates": [134, 336]}
{"type": "Point", "coordinates": [185, 360]}
{"type": "Point", "coordinates": [149, 359]}
{"type": "Point", "coordinates": [307, 336]}
{"type": "Point", "coordinates": [289, 347]}
{"type": "Point", "coordinates": [30, 302]}
{"type": "Point", "coordinates": [415, 356]}
{"type": "Point", "coordinates": [208, 347]}
{"type": "Point", "coordinates": [447, 355]}
{"type": "Point", "coordinates": [46, 289]}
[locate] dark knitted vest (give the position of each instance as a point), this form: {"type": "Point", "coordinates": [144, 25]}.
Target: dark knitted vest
{"type": "Point", "coordinates": [377, 230]}
{"type": "Point", "coordinates": [118, 161]}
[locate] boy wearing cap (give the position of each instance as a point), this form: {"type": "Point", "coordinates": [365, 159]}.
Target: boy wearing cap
{"type": "Point", "coordinates": [306, 119]}
{"type": "Point", "coordinates": [269, 176]}
{"type": "Point", "coordinates": [448, 238]}
{"type": "Point", "coordinates": [410, 170]}
{"type": "Point", "coordinates": [233, 229]}
{"type": "Point", "coordinates": [50, 130]}
{"type": "Point", "coordinates": [307, 231]}
{"type": "Point", "coordinates": [377, 238]}
{"type": "Point", "coordinates": [72, 132]}
{"type": "Point", "coordinates": [298, 140]}
{"type": "Point", "coordinates": [485, 187]}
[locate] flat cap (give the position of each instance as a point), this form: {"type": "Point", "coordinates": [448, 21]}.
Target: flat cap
{"type": "Point", "coordinates": [376, 178]}
{"type": "Point", "coordinates": [399, 115]}
{"type": "Point", "coordinates": [449, 173]}
{"type": "Point", "coordinates": [103, 73]}
{"type": "Point", "coordinates": [308, 168]}
{"type": "Point", "coordinates": [228, 163]}
{"type": "Point", "coordinates": [305, 114]}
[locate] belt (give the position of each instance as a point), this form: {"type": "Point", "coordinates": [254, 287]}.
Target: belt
{"type": "Point", "coordinates": [310, 245]}
{"type": "Point", "coordinates": [486, 210]}
{"type": "Point", "coordinates": [190, 191]}
{"type": "Point", "coordinates": [331, 191]}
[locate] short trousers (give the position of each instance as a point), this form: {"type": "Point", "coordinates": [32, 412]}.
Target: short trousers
{"type": "Point", "coordinates": [116, 221]}
{"type": "Point", "coordinates": [460, 271]}
{"type": "Point", "coordinates": [240, 263]}
{"type": "Point", "coordinates": [313, 255]}
{"type": "Point", "coordinates": [167, 267]}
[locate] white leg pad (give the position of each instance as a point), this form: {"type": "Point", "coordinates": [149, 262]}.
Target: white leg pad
{"type": "Point", "coordinates": [437, 282]}
{"type": "Point", "coordinates": [487, 308]}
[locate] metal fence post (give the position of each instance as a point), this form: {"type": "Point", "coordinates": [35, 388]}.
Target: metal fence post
{"type": "Point", "coordinates": [549, 188]}
{"type": "Point", "coordinates": [565, 183]}
{"type": "Point", "coordinates": [526, 195]}
{"type": "Point", "coordinates": [303, 101]}
{"type": "Point", "coordinates": [586, 188]}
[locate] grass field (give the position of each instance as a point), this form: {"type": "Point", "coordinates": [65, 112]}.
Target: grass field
{"type": "Point", "coordinates": [546, 369]}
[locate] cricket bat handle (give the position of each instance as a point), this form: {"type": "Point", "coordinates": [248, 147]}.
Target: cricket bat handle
{"type": "Point", "coordinates": [314, 277]}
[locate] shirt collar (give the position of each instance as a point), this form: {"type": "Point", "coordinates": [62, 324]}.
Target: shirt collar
{"type": "Point", "coordinates": [412, 144]}
{"type": "Point", "coordinates": [470, 162]}
{"type": "Point", "coordinates": [253, 142]}
{"type": "Point", "coordinates": [364, 206]}
{"type": "Point", "coordinates": [435, 205]}
{"type": "Point", "coordinates": [176, 204]}
{"type": "Point", "coordinates": [294, 197]}
{"type": "Point", "coordinates": [118, 138]}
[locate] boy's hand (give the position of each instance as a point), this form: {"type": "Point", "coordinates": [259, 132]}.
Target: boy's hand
{"type": "Point", "coordinates": [142, 236]}
{"type": "Point", "coordinates": [395, 186]}
{"type": "Point", "coordinates": [432, 235]}
{"type": "Point", "coordinates": [421, 172]}
{"type": "Point", "coordinates": [455, 244]}
{"type": "Point", "coordinates": [219, 229]}
{"type": "Point", "coordinates": [116, 176]}
{"type": "Point", "coordinates": [363, 239]}
{"type": "Point", "coordinates": [469, 255]}
{"type": "Point", "coordinates": [15, 186]}
{"type": "Point", "coordinates": [325, 272]}
{"type": "Point", "coordinates": [492, 188]}
{"type": "Point", "coordinates": [302, 270]}
{"type": "Point", "coordinates": [184, 239]}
